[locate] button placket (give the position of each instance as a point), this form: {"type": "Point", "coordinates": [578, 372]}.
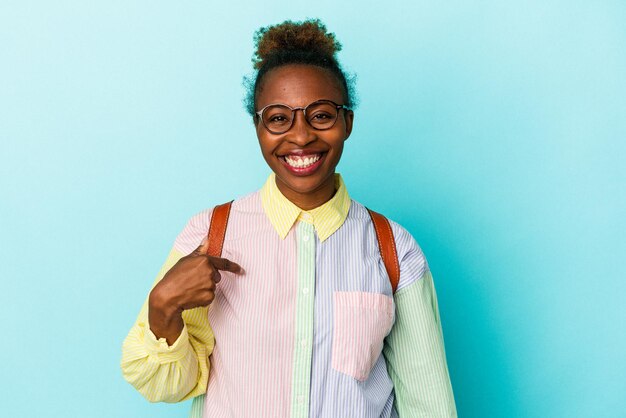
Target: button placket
{"type": "Point", "coordinates": [303, 344]}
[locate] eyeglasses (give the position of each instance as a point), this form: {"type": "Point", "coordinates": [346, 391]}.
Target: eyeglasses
{"type": "Point", "coordinates": [320, 115]}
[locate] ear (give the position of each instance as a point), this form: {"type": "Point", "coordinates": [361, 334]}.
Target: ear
{"type": "Point", "coordinates": [349, 120]}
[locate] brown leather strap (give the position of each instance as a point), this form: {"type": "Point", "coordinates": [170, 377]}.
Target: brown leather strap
{"type": "Point", "coordinates": [217, 229]}
{"type": "Point", "coordinates": [387, 246]}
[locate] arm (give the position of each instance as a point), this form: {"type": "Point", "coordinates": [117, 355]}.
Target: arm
{"type": "Point", "coordinates": [164, 373]}
{"type": "Point", "coordinates": [176, 372]}
{"type": "Point", "coordinates": [414, 349]}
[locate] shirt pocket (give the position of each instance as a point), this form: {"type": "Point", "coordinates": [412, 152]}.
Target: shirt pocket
{"type": "Point", "coordinates": [362, 320]}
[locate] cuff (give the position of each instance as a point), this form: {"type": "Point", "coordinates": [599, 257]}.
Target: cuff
{"type": "Point", "coordinates": [165, 353]}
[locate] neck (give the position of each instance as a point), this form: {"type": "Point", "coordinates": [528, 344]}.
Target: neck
{"type": "Point", "coordinates": [312, 199]}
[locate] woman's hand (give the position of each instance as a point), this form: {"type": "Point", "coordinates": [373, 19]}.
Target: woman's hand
{"type": "Point", "coordinates": [190, 283]}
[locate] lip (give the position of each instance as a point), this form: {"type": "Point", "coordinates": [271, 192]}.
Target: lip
{"type": "Point", "coordinates": [301, 172]}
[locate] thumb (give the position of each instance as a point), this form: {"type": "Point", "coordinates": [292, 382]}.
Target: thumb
{"type": "Point", "coordinates": [203, 248]}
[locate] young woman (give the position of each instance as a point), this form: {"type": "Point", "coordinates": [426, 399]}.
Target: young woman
{"type": "Point", "coordinates": [298, 317]}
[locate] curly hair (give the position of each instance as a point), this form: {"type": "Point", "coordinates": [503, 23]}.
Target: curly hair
{"type": "Point", "coordinates": [307, 42]}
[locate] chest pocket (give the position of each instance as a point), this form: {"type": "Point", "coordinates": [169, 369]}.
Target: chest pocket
{"type": "Point", "coordinates": [362, 320]}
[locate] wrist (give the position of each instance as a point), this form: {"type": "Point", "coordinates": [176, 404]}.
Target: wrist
{"type": "Point", "coordinates": [164, 317]}
{"type": "Point", "coordinates": [163, 304]}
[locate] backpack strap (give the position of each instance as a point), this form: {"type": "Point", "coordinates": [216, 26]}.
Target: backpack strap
{"type": "Point", "coordinates": [217, 232]}
{"type": "Point", "coordinates": [217, 229]}
{"type": "Point", "coordinates": [387, 247]}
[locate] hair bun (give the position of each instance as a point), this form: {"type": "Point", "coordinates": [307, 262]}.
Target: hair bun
{"type": "Point", "coordinates": [307, 36]}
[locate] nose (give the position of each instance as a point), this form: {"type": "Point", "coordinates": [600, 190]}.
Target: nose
{"type": "Point", "coordinates": [301, 132]}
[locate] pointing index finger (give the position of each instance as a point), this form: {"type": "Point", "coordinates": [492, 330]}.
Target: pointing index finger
{"type": "Point", "coordinates": [226, 265]}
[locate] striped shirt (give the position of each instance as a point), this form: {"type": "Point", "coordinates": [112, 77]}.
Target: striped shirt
{"type": "Point", "coordinates": [310, 329]}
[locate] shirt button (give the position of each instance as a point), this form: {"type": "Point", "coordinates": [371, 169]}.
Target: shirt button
{"type": "Point", "coordinates": [305, 290]}
{"type": "Point", "coordinates": [300, 398]}
{"type": "Point", "coordinates": [306, 216]}
{"type": "Point", "coordinates": [303, 342]}
{"type": "Point", "coordinates": [305, 238]}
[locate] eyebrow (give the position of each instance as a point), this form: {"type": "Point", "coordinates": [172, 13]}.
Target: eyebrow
{"type": "Point", "coordinates": [285, 104]}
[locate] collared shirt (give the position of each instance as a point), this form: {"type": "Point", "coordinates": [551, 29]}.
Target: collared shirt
{"type": "Point", "coordinates": [310, 329]}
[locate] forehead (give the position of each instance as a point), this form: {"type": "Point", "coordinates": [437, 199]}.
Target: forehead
{"type": "Point", "coordinates": [298, 85]}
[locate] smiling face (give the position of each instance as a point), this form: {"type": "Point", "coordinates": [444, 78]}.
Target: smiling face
{"type": "Point", "coordinates": [303, 158]}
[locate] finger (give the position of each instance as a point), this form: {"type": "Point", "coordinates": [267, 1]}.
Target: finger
{"type": "Point", "coordinates": [217, 277]}
{"type": "Point", "coordinates": [203, 247]}
{"type": "Point", "coordinates": [226, 265]}
{"type": "Point", "coordinates": [205, 298]}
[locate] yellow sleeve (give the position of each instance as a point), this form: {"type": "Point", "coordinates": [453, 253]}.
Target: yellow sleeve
{"type": "Point", "coordinates": [163, 373]}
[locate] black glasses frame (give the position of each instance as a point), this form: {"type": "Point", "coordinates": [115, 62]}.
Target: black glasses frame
{"type": "Point", "coordinates": [259, 115]}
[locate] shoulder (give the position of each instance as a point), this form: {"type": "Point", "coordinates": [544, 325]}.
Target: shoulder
{"type": "Point", "coordinates": [194, 231]}
{"type": "Point", "coordinates": [413, 263]}
{"type": "Point", "coordinates": [411, 258]}
{"type": "Point", "coordinates": [197, 226]}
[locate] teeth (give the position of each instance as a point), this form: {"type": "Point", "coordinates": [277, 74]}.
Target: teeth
{"type": "Point", "coordinates": [300, 162]}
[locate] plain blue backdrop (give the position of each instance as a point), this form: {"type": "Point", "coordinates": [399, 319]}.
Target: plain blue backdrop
{"type": "Point", "coordinates": [493, 131]}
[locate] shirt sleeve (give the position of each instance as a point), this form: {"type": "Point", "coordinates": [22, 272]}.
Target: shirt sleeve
{"type": "Point", "coordinates": [163, 373]}
{"type": "Point", "coordinates": [414, 349]}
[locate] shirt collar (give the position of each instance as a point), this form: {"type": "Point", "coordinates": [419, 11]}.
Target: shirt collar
{"type": "Point", "coordinates": [283, 213]}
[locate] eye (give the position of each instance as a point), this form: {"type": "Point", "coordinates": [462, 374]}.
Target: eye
{"type": "Point", "coordinates": [321, 116]}
{"type": "Point", "coordinates": [278, 119]}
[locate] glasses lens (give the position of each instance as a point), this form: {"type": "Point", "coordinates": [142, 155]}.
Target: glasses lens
{"type": "Point", "coordinates": [277, 118]}
{"type": "Point", "coordinates": [321, 115]}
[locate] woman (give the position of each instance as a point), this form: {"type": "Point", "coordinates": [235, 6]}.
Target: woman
{"type": "Point", "coordinates": [302, 319]}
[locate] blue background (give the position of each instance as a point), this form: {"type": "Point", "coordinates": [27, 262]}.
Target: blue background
{"type": "Point", "coordinates": [494, 131]}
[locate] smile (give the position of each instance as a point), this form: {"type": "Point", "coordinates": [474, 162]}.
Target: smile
{"type": "Point", "coordinates": [303, 165]}
{"type": "Point", "coordinates": [297, 161]}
